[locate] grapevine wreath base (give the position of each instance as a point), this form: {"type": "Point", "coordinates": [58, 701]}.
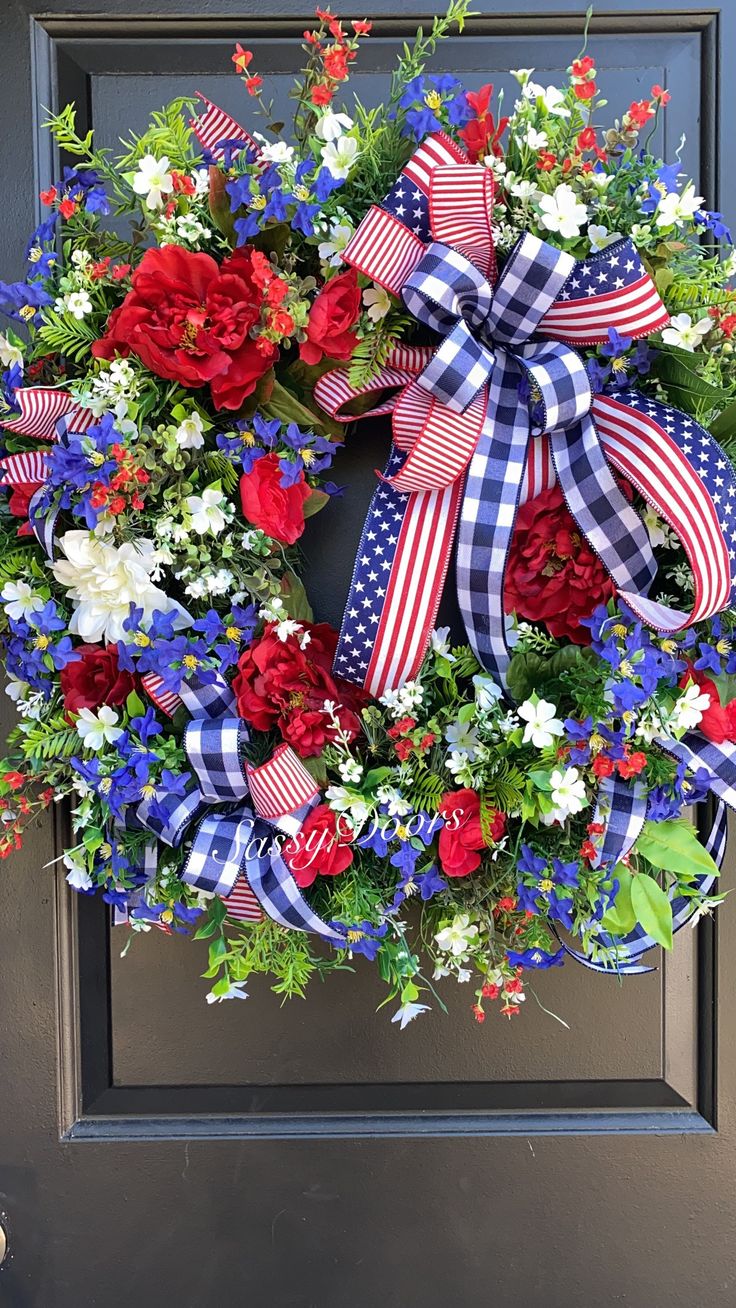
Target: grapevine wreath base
{"type": "Point", "coordinates": [545, 312]}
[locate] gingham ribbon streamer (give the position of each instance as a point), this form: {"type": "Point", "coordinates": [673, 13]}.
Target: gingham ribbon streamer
{"type": "Point", "coordinates": [631, 947]}
{"type": "Point", "coordinates": [430, 241]}
{"type": "Point", "coordinates": [235, 853]}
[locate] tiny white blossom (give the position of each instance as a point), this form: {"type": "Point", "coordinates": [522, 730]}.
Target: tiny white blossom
{"type": "Point", "coordinates": [97, 729]}
{"type": "Point", "coordinates": [408, 1012]}
{"type": "Point", "coordinates": [551, 97]}
{"type": "Point", "coordinates": [331, 250]}
{"type": "Point", "coordinates": [208, 511]}
{"type": "Point", "coordinates": [20, 600]}
{"type": "Point", "coordinates": [524, 190]}
{"type": "Point", "coordinates": [351, 770]}
{"type": "Point", "coordinates": [658, 530]}
{"type": "Point", "coordinates": [562, 211]}
{"type": "Point", "coordinates": [331, 126]}
{"type": "Point", "coordinates": [599, 237]}
{"type": "Point", "coordinates": [9, 354]}
{"type": "Point", "coordinates": [535, 139]}
{"type": "Point", "coordinates": [77, 876]}
{"type": "Point", "coordinates": [153, 180]}
{"type": "Point", "coordinates": [458, 937]}
{"type": "Point", "coordinates": [236, 991]}
{"type": "Point", "coordinates": [461, 735]}
{"type": "Point", "coordinates": [78, 304]}
{"type": "Point", "coordinates": [568, 790]}
{"type": "Point", "coordinates": [278, 152]}
{"type": "Point", "coordinates": [396, 805]}
{"type": "Point", "coordinates": [542, 726]}
{"type": "Point", "coordinates": [377, 302]}
{"type": "Point", "coordinates": [684, 332]}
{"type": "Point", "coordinates": [189, 434]}
{"type": "Point", "coordinates": [339, 156]}
{"type": "Point", "coordinates": [522, 75]}
{"type": "Point", "coordinates": [487, 692]}
{"type": "Point", "coordinates": [677, 207]}
{"type": "Point", "coordinates": [440, 642]}
{"type": "Point", "coordinates": [689, 708]}
{"type": "Point", "coordinates": [458, 764]}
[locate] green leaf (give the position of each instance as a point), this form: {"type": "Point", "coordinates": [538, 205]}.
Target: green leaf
{"type": "Point", "coordinates": [653, 909]}
{"type": "Point", "coordinates": [621, 918]}
{"type": "Point", "coordinates": [530, 671]}
{"type": "Point", "coordinates": [674, 846]}
{"type": "Point", "coordinates": [541, 779]}
{"type": "Point", "coordinates": [376, 778]}
{"type": "Point", "coordinates": [295, 598]}
{"type": "Point", "coordinates": [724, 426]}
{"type": "Point", "coordinates": [317, 768]}
{"type": "Point", "coordinates": [675, 370]}
{"type": "Point", "coordinates": [92, 839]}
{"type": "Point", "coordinates": [315, 502]}
{"type": "Point", "coordinates": [134, 705]}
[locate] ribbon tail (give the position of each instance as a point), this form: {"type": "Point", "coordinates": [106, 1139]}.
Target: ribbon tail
{"type": "Point", "coordinates": [611, 525]}
{"type": "Point", "coordinates": [487, 517]}
{"type": "Point", "coordinates": [281, 899]}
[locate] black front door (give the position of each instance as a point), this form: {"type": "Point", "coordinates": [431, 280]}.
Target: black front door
{"type": "Point", "coordinates": [156, 1149]}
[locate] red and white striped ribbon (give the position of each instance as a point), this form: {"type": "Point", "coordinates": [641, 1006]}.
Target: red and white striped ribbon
{"type": "Point", "coordinates": [40, 410]}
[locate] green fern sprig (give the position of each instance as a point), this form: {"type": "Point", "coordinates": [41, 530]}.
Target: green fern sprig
{"type": "Point", "coordinates": [219, 468]}
{"type": "Point", "coordinates": [46, 742]}
{"type": "Point", "coordinates": [504, 790]}
{"type": "Point", "coordinates": [169, 133]}
{"type": "Point", "coordinates": [425, 790]}
{"type": "Point", "coordinates": [64, 334]}
{"type": "Point", "coordinates": [372, 353]}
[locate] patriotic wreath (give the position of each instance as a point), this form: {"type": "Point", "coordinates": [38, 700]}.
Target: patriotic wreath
{"type": "Point", "coordinates": [545, 312]}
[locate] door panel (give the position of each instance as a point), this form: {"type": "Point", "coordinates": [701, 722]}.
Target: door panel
{"type": "Point", "coordinates": [311, 1154]}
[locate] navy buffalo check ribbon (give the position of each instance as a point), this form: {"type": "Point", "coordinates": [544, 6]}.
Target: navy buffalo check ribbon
{"type": "Point", "coordinates": [234, 851]}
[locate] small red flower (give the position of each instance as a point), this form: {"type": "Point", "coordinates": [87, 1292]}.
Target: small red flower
{"type": "Point", "coordinates": [183, 184]}
{"type": "Point", "coordinates": [632, 765]}
{"type": "Point", "coordinates": [16, 780]}
{"type": "Point", "coordinates": [490, 991]}
{"type": "Point", "coordinates": [361, 26]}
{"type": "Point", "coordinates": [546, 161]}
{"type": "Point", "coordinates": [67, 208]}
{"type": "Point", "coordinates": [478, 1013]}
{"type": "Point", "coordinates": [603, 766]}
{"type": "Point", "coordinates": [585, 90]}
{"type": "Point", "coordinates": [242, 58]}
{"type": "Point", "coordinates": [586, 139]}
{"type": "Point", "coordinates": [321, 94]}
{"type": "Point", "coordinates": [253, 84]}
{"type": "Point", "coordinates": [336, 63]}
{"type": "Point", "coordinates": [639, 112]}
{"type": "Point", "coordinates": [507, 903]}
{"type": "Point", "coordinates": [658, 93]}
{"type": "Point", "coordinates": [48, 197]}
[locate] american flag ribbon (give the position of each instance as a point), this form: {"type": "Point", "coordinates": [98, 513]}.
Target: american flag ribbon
{"type": "Point", "coordinates": [468, 445]}
{"type": "Point", "coordinates": [213, 126]}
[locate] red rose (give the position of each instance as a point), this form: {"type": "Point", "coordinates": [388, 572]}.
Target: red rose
{"type": "Point", "coordinates": [461, 838]}
{"type": "Point", "coordinates": [321, 847]}
{"type": "Point", "coordinates": [190, 319]}
{"type": "Point", "coordinates": [94, 679]}
{"type": "Point", "coordinates": [553, 576]}
{"type": "Point", "coordinates": [279, 684]}
{"type": "Point", "coordinates": [267, 503]}
{"type": "Point", "coordinates": [334, 312]}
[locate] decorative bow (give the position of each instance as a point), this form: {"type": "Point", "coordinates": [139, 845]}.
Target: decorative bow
{"type": "Point", "coordinates": [234, 852]}
{"type": "Point", "coordinates": [495, 413]}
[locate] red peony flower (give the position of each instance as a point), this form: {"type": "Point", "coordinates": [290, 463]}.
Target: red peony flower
{"type": "Point", "coordinates": [553, 576]}
{"type": "Point", "coordinates": [189, 319]}
{"type": "Point", "coordinates": [94, 679]}
{"type": "Point", "coordinates": [276, 509]}
{"type": "Point", "coordinates": [321, 847]}
{"type": "Point", "coordinates": [331, 318]}
{"type": "Point", "coordinates": [461, 838]}
{"type": "Point", "coordinates": [279, 684]}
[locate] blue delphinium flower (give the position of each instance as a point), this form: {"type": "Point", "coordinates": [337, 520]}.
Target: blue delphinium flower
{"type": "Point", "coordinates": [537, 958]}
